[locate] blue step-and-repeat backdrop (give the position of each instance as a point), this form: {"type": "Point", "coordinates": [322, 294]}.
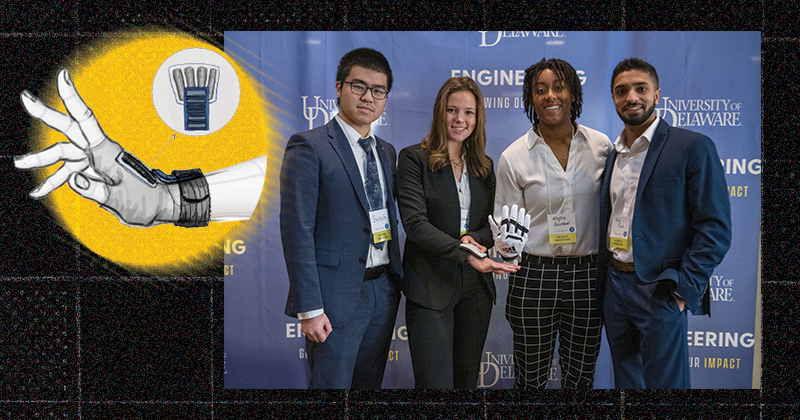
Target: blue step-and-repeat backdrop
{"type": "Point", "coordinates": [710, 83]}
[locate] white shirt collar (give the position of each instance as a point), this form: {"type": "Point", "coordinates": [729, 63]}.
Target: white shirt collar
{"type": "Point", "coordinates": [644, 139]}
{"type": "Point", "coordinates": [352, 135]}
{"type": "Point", "coordinates": [534, 138]}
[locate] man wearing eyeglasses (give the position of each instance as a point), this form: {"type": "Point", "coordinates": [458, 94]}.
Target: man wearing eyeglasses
{"type": "Point", "coordinates": [339, 231]}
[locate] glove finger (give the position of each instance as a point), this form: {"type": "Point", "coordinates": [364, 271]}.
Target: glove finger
{"type": "Point", "coordinates": [92, 174]}
{"type": "Point", "coordinates": [493, 226]}
{"type": "Point", "coordinates": [78, 110]}
{"type": "Point", "coordinates": [512, 220]}
{"type": "Point", "coordinates": [53, 154]}
{"type": "Point", "coordinates": [58, 178]}
{"type": "Point", "coordinates": [504, 219]}
{"type": "Point", "coordinates": [520, 221]}
{"type": "Point", "coordinates": [86, 187]}
{"type": "Point", "coordinates": [54, 119]}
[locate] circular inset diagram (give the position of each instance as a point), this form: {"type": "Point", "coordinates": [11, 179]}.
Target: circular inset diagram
{"type": "Point", "coordinates": [196, 92]}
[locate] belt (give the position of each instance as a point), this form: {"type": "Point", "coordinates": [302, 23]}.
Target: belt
{"type": "Point", "coordinates": [570, 260]}
{"type": "Point", "coordinates": [625, 267]}
{"type": "Point", "coordinates": [374, 272]}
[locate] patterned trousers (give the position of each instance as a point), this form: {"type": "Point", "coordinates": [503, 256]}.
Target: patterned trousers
{"type": "Point", "coordinates": [549, 297]}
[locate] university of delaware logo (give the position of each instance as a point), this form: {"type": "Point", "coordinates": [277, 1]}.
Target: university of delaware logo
{"type": "Point", "coordinates": [492, 38]}
{"type": "Point", "coordinates": [679, 112]}
{"type": "Point", "coordinates": [494, 368]}
{"type": "Point", "coordinates": [319, 110]}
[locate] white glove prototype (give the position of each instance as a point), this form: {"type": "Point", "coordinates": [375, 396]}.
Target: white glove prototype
{"type": "Point", "coordinates": [512, 234]}
{"type": "Point", "coordinates": [101, 170]}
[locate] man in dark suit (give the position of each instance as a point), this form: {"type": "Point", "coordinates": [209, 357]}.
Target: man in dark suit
{"type": "Point", "coordinates": [344, 267]}
{"type": "Point", "coordinates": [665, 225]}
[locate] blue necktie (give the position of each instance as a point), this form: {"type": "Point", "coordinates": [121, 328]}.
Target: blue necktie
{"type": "Point", "coordinates": [372, 183]}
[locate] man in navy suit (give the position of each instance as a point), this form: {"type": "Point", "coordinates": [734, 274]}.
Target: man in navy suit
{"type": "Point", "coordinates": [665, 225]}
{"type": "Point", "coordinates": [339, 231]}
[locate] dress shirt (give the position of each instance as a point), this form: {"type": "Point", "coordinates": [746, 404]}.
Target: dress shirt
{"type": "Point", "coordinates": [625, 183]}
{"type": "Point", "coordinates": [464, 197]}
{"type": "Point", "coordinates": [529, 175]}
{"type": "Point", "coordinates": [376, 257]}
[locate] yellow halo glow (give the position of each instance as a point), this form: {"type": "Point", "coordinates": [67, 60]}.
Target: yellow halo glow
{"type": "Point", "coordinates": [114, 76]}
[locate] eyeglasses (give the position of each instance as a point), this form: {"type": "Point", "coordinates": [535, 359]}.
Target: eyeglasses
{"type": "Point", "coordinates": [359, 89]}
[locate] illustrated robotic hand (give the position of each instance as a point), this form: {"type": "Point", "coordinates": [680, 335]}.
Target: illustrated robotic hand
{"type": "Point", "coordinates": [99, 169]}
{"type": "Point", "coordinates": [512, 234]}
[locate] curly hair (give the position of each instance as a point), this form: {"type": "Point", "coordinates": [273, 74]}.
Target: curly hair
{"type": "Point", "coordinates": [563, 70]}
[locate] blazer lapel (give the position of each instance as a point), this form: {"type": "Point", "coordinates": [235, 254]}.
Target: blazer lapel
{"type": "Point", "coordinates": [449, 195]}
{"type": "Point", "coordinates": [477, 193]}
{"type": "Point", "coordinates": [342, 148]}
{"type": "Point", "coordinates": [656, 146]}
{"type": "Point", "coordinates": [605, 186]}
{"type": "Point", "coordinates": [388, 173]}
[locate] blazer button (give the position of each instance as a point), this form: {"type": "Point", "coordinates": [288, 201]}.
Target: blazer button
{"type": "Point", "coordinates": [362, 261]}
{"type": "Point", "coordinates": [366, 230]}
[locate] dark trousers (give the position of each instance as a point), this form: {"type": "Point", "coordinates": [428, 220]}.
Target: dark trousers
{"type": "Point", "coordinates": [446, 345]}
{"type": "Point", "coordinates": [354, 355]}
{"type": "Point", "coordinates": [646, 334]}
{"type": "Point", "coordinates": [549, 298]}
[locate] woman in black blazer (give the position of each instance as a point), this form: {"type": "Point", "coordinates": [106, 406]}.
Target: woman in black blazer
{"type": "Point", "coordinates": [445, 191]}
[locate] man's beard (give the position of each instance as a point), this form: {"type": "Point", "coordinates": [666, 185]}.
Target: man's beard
{"type": "Point", "coordinates": [640, 119]}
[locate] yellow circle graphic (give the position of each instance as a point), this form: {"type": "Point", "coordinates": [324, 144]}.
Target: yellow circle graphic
{"type": "Point", "coordinates": [114, 77]}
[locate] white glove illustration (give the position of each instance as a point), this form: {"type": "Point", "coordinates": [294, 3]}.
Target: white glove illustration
{"type": "Point", "coordinates": [512, 234]}
{"type": "Point", "coordinates": [99, 169]}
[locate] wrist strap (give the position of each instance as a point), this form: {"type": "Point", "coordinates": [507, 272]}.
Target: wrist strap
{"type": "Point", "coordinates": [195, 199]}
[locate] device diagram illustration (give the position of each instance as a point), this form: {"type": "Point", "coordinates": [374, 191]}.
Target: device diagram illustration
{"type": "Point", "coordinates": [194, 86]}
{"type": "Point", "coordinates": [196, 91]}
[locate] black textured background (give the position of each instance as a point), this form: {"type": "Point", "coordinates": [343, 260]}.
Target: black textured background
{"type": "Point", "coordinates": [83, 338]}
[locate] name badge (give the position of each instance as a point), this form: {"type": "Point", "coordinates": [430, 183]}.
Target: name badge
{"type": "Point", "coordinates": [562, 228]}
{"type": "Point", "coordinates": [381, 230]}
{"type": "Point", "coordinates": [464, 221]}
{"type": "Point", "coordinates": [619, 232]}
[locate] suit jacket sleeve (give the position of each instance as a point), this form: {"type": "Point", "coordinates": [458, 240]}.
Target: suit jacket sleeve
{"type": "Point", "coordinates": [299, 190]}
{"type": "Point", "coordinates": [709, 209]}
{"type": "Point", "coordinates": [412, 203]}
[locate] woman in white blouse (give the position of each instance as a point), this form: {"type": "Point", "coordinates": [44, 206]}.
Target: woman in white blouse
{"type": "Point", "coordinates": [554, 172]}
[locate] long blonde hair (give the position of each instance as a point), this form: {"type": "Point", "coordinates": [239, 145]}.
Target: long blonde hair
{"type": "Point", "coordinates": [435, 142]}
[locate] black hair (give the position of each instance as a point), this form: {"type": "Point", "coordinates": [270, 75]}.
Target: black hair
{"type": "Point", "coordinates": [563, 70]}
{"type": "Point", "coordinates": [366, 58]}
{"type": "Point", "coordinates": [634, 64]}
